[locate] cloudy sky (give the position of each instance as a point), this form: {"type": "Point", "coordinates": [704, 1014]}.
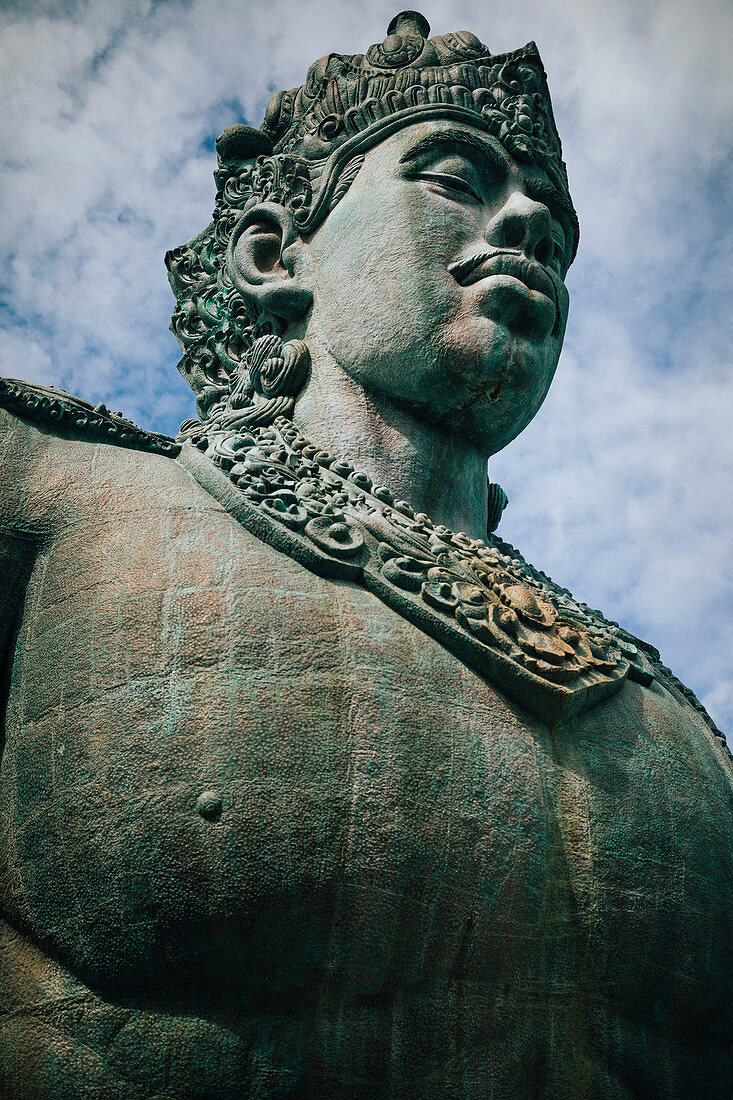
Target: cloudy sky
{"type": "Point", "coordinates": [621, 488]}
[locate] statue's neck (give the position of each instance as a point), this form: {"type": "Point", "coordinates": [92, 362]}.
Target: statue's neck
{"type": "Point", "coordinates": [435, 471]}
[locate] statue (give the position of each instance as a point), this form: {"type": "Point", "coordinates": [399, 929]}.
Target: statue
{"type": "Point", "coordinates": [311, 786]}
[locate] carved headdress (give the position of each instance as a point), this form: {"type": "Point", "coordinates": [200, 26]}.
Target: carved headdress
{"type": "Point", "coordinates": [309, 150]}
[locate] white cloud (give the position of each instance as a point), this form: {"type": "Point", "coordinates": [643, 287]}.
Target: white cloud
{"type": "Point", "coordinates": [620, 488]}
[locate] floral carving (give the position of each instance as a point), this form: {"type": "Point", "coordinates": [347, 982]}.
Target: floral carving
{"type": "Point", "coordinates": [263, 386]}
{"type": "Point", "coordinates": [281, 179]}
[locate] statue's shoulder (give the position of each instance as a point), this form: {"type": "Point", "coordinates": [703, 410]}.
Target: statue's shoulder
{"type": "Point", "coordinates": [71, 417]}
{"type": "Point", "coordinates": [645, 660]}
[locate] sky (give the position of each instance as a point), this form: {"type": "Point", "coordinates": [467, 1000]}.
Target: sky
{"type": "Point", "coordinates": [621, 488]}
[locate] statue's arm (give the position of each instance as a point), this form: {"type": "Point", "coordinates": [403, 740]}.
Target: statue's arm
{"type": "Point", "coordinates": [44, 473]}
{"type": "Point", "coordinates": [23, 524]}
{"type": "Point", "coordinates": [17, 554]}
{"type": "Point", "coordinates": [41, 470]}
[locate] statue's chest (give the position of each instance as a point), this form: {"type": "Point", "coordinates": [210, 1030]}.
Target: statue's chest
{"type": "Point", "coordinates": [226, 776]}
{"type": "Point", "coordinates": [208, 744]}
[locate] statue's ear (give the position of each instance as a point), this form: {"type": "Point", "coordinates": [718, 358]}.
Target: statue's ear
{"type": "Point", "coordinates": [262, 261]}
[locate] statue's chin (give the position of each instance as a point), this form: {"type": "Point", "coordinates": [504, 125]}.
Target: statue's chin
{"type": "Point", "coordinates": [499, 387]}
{"type": "Point", "coordinates": [492, 416]}
{"type": "Point", "coordinates": [492, 424]}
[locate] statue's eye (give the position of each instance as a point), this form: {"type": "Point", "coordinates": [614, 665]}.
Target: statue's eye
{"type": "Point", "coordinates": [454, 185]}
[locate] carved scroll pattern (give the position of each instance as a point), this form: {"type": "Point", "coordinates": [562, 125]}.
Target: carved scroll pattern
{"type": "Point", "coordinates": [62, 411]}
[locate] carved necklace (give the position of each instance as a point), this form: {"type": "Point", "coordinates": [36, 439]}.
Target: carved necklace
{"type": "Point", "coordinates": [480, 599]}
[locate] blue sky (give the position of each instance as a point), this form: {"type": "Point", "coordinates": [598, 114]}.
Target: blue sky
{"type": "Point", "coordinates": [621, 488]}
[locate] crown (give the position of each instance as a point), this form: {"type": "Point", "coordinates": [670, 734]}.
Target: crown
{"type": "Point", "coordinates": [350, 102]}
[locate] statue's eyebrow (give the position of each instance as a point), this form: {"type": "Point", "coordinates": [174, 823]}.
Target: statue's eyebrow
{"type": "Point", "coordinates": [446, 141]}
{"type": "Point", "coordinates": [541, 190]}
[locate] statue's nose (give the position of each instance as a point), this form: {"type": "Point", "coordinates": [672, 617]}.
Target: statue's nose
{"type": "Point", "coordinates": [522, 224]}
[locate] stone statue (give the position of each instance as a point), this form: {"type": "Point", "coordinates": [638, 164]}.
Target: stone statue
{"type": "Point", "coordinates": [311, 786]}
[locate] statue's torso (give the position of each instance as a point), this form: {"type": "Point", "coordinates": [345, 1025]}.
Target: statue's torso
{"type": "Point", "coordinates": [412, 888]}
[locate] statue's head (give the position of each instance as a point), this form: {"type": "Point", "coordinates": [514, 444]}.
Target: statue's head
{"type": "Point", "coordinates": [405, 213]}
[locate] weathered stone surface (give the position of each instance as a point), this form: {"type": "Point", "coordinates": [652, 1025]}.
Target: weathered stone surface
{"type": "Point", "coordinates": [412, 888]}
{"type": "Point", "coordinates": [266, 832]}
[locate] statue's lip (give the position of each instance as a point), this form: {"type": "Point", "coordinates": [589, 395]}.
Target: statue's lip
{"type": "Point", "coordinates": [495, 262]}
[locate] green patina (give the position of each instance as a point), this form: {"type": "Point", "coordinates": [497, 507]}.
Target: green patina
{"type": "Point", "coordinates": [303, 792]}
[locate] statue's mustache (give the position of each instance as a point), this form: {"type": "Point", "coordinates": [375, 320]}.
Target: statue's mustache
{"type": "Point", "coordinates": [484, 264]}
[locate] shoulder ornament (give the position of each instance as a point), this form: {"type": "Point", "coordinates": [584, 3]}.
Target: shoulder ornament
{"type": "Point", "coordinates": [77, 419]}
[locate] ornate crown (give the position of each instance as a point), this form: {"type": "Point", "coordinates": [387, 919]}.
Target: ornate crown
{"type": "Point", "coordinates": [350, 102]}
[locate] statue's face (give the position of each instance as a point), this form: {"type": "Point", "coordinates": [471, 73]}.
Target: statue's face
{"type": "Point", "coordinates": [438, 280]}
